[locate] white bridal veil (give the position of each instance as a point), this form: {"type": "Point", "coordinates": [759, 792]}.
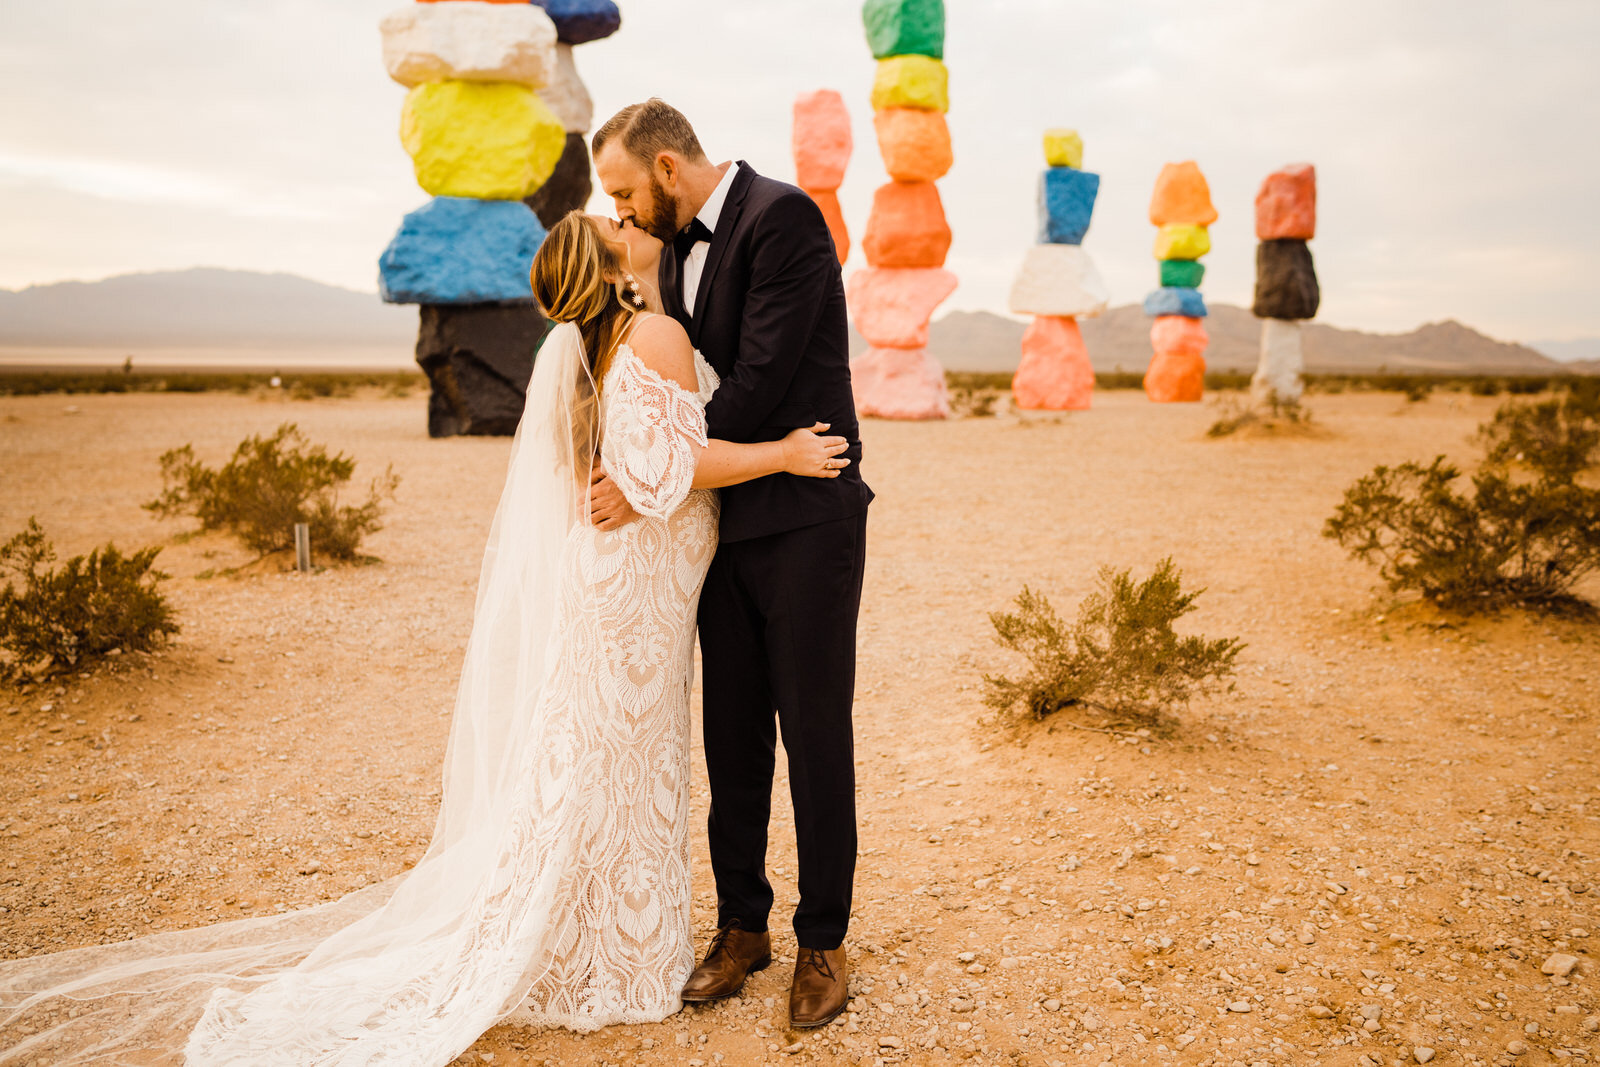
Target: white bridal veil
{"type": "Point", "coordinates": [334, 977]}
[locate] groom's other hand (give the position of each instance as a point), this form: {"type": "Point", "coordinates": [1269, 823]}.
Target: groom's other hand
{"type": "Point", "coordinates": [608, 508]}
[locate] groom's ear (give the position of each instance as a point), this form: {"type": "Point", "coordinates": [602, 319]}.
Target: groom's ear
{"type": "Point", "coordinates": [667, 169]}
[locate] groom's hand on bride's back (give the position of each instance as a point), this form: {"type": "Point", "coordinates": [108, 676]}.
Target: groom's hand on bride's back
{"type": "Point", "coordinates": [608, 508]}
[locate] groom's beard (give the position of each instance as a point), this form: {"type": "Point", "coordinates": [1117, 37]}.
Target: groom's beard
{"type": "Point", "coordinates": [662, 222]}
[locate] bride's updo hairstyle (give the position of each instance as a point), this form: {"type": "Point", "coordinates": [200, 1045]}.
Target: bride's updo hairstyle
{"type": "Point", "coordinates": [569, 281]}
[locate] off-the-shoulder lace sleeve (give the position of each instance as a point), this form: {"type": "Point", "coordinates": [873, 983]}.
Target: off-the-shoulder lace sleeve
{"type": "Point", "coordinates": [653, 430]}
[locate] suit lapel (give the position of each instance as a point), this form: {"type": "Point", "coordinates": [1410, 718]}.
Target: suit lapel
{"type": "Point", "coordinates": [720, 240]}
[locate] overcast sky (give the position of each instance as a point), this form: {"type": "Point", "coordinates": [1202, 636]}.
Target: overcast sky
{"type": "Point", "coordinates": [1455, 144]}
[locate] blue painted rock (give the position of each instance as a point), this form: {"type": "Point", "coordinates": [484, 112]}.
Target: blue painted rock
{"type": "Point", "coordinates": [458, 251]}
{"type": "Point", "coordinates": [581, 21]}
{"type": "Point", "coordinates": [1066, 202]}
{"type": "Point", "coordinates": [1171, 300]}
{"type": "Point", "coordinates": [1286, 280]}
{"type": "Point", "coordinates": [904, 27]}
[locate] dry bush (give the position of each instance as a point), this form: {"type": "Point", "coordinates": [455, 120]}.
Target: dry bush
{"type": "Point", "coordinates": [54, 620]}
{"type": "Point", "coordinates": [1121, 656]}
{"type": "Point", "coordinates": [1525, 535]}
{"type": "Point", "coordinates": [1271, 417]}
{"type": "Point", "coordinates": [269, 485]}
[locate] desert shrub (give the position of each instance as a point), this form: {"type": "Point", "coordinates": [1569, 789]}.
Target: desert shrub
{"type": "Point", "coordinates": [269, 485]}
{"type": "Point", "coordinates": [52, 620]}
{"type": "Point", "coordinates": [974, 403]}
{"type": "Point", "coordinates": [1527, 532]}
{"type": "Point", "coordinates": [1121, 655]}
{"type": "Point", "coordinates": [1270, 415]}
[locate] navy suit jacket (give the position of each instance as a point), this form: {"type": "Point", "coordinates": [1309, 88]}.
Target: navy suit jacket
{"type": "Point", "coordinates": [770, 319]}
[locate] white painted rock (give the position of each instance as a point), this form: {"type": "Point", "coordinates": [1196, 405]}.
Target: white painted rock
{"type": "Point", "coordinates": [1278, 375]}
{"type": "Point", "coordinates": [566, 94]}
{"type": "Point", "coordinates": [468, 40]}
{"type": "Point", "coordinates": [899, 383]}
{"type": "Point", "coordinates": [1059, 281]}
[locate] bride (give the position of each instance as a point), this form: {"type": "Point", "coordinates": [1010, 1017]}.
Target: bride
{"type": "Point", "coordinates": [555, 890]}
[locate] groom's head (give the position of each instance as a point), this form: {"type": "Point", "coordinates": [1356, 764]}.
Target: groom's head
{"type": "Point", "coordinates": [651, 164]}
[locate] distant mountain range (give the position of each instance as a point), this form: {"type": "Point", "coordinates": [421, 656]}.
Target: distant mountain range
{"type": "Point", "coordinates": [201, 307]}
{"type": "Point", "coordinates": [228, 309]}
{"type": "Point", "coordinates": [1120, 340]}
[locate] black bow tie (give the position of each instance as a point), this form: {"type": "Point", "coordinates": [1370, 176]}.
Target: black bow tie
{"type": "Point", "coordinates": [695, 232]}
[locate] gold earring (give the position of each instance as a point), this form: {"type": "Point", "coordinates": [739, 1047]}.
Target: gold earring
{"type": "Point", "coordinates": [634, 296]}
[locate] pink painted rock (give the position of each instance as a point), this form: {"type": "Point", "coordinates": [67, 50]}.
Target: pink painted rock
{"type": "Point", "coordinates": [907, 227]}
{"type": "Point", "coordinates": [822, 142]}
{"type": "Point", "coordinates": [1286, 206]}
{"type": "Point", "coordinates": [915, 144]}
{"type": "Point", "coordinates": [1182, 197]}
{"type": "Point", "coordinates": [1055, 373]}
{"type": "Point", "coordinates": [1177, 372]}
{"type": "Point", "coordinates": [834, 214]}
{"type": "Point", "coordinates": [891, 308]}
{"type": "Point", "coordinates": [899, 383]}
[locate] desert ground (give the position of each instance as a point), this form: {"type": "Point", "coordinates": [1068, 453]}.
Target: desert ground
{"type": "Point", "coordinates": [1365, 853]}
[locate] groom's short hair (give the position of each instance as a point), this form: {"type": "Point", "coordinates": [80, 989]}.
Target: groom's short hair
{"type": "Point", "coordinates": [646, 130]}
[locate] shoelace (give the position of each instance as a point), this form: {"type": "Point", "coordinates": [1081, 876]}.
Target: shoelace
{"type": "Point", "coordinates": [817, 959]}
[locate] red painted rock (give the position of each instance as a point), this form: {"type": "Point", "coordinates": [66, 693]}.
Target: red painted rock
{"type": "Point", "coordinates": [1055, 373]}
{"type": "Point", "coordinates": [829, 203]}
{"type": "Point", "coordinates": [915, 144]}
{"type": "Point", "coordinates": [899, 383]}
{"type": "Point", "coordinates": [1177, 372]}
{"type": "Point", "coordinates": [1286, 206]}
{"type": "Point", "coordinates": [907, 227]}
{"type": "Point", "coordinates": [822, 142]}
{"type": "Point", "coordinates": [1182, 197]}
{"type": "Point", "coordinates": [891, 308]}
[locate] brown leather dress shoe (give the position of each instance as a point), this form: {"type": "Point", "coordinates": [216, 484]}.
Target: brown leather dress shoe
{"type": "Point", "coordinates": [821, 987]}
{"type": "Point", "coordinates": [734, 955]}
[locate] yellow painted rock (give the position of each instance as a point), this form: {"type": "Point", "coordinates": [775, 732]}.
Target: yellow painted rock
{"type": "Point", "coordinates": [483, 140]}
{"type": "Point", "coordinates": [918, 82]}
{"type": "Point", "coordinates": [1063, 148]}
{"type": "Point", "coordinates": [1182, 242]}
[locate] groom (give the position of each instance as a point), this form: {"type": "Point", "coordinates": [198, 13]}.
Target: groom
{"type": "Point", "coordinates": [750, 271]}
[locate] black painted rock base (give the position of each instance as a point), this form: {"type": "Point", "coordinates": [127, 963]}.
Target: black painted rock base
{"type": "Point", "coordinates": [478, 358]}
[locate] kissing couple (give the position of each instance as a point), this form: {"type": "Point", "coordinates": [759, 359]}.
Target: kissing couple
{"type": "Point", "coordinates": [688, 457]}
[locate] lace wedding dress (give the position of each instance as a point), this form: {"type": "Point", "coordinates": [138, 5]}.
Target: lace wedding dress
{"type": "Point", "coordinates": [556, 888]}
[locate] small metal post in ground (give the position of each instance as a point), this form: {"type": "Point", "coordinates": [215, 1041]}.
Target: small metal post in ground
{"type": "Point", "coordinates": [302, 548]}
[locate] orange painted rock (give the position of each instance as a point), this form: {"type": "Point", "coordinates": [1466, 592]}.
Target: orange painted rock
{"type": "Point", "coordinates": [1055, 373]}
{"type": "Point", "coordinates": [891, 308]}
{"type": "Point", "coordinates": [1177, 372]}
{"type": "Point", "coordinates": [899, 383]}
{"type": "Point", "coordinates": [1174, 335]}
{"type": "Point", "coordinates": [1182, 197]}
{"type": "Point", "coordinates": [828, 201]}
{"type": "Point", "coordinates": [915, 144]}
{"type": "Point", "coordinates": [1286, 206]}
{"type": "Point", "coordinates": [822, 142]}
{"type": "Point", "coordinates": [907, 227]}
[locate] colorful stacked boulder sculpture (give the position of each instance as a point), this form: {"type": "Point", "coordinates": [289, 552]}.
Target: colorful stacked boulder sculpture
{"type": "Point", "coordinates": [1058, 283]}
{"type": "Point", "coordinates": [1286, 280]}
{"type": "Point", "coordinates": [822, 147]}
{"type": "Point", "coordinates": [494, 124]}
{"type": "Point", "coordinates": [907, 237]}
{"type": "Point", "coordinates": [1181, 207]}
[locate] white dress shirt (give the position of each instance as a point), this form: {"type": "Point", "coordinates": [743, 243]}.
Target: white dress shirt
{"type": "Point", "coordinates": [695, 263]}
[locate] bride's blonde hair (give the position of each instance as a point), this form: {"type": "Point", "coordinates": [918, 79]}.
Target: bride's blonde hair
{"type": "Point", "coordinates": [569, 281]}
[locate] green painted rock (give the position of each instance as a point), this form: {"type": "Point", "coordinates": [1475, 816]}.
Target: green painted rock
{"type": "Point", "coordinates": [1182, 273]}
{"type": "Point", "coordinates": [905, 27]}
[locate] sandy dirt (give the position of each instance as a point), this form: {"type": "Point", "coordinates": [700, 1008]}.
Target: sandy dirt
{"type": "Point", "coordinates": [1367, 851]}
